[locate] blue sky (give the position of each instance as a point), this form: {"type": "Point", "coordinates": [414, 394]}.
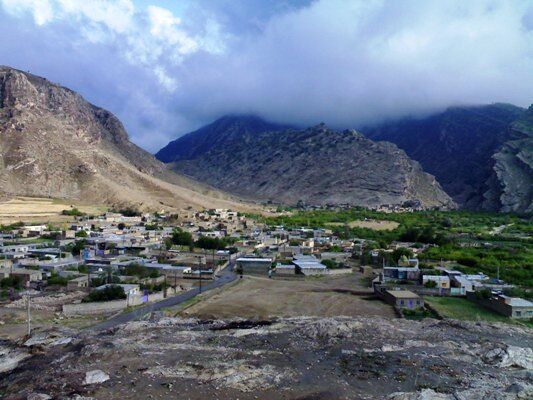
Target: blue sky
{"type": "Point", "coordinates": [165, 67]}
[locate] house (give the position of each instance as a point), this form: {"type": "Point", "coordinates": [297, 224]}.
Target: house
{"type": "Point", "coordinates": [285, 269]}
{"type": "Point", "coordinates": [512, 307]}
{"type": "Point", "coordinates": [79, 283]}
{"type": "Point", "coordinates": [129, 289]}
{"type": "Point", "coordinates": [254, 265]}
{"type": "Point", "coordinates": [442, 282]}
{"type": "Point", "coordinates": [27, 275]}
{"type": "Point", "coordinates": [309, 265]}
{"type": "Point", "coordinates": [408, 262]}
{"type": "Point", "coordinates": [404, 273]}
{"type": "Point", "coordinates": [403, 299]}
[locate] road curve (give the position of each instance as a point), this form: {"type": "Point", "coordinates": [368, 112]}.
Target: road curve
{"type": "Point", "coordinates": [226, 276]}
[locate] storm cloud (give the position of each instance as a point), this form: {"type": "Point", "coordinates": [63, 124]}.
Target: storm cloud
{"type": "Point", "coordinates": [167, 67]}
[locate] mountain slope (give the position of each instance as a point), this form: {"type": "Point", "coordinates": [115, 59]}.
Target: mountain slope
{"type": "Point", "coordinates": [457, 146]}
{"type": "Point", "coordinates": [315, 166]}
{"type": "Point", "coordinates": [224, 130]}
{"type": "Point", "coordinates": [513, 168]}
{"type": "Point", "coordinates": [53, 143]}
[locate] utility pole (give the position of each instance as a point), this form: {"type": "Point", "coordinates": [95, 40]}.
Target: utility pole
{"type": "Point", "coordinates": [28, 313]}
{"type": "Point", "coordinates": [165, 289]}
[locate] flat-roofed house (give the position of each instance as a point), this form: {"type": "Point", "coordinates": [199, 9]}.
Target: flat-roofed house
{"type": "Point", "coordinates": [309, 265]}
{"type": "Point", "coordinates": [254, 265]}
{"type": "Point", "coordinates": [403, 299]}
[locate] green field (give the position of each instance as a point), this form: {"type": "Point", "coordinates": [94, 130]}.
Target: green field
{"type": "Point", "coordinates": [477, 241]}
{"type": "Point", "coordinates": [463, 309]}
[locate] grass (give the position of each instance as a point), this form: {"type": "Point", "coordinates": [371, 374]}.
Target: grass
{"type": "Point", "coordinates": [463, 309]}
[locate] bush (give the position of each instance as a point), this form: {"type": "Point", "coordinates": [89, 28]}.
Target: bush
{"type": "Point", "coordinates": [112, 292]}
{"type": "Point", "coordinates": [483, 294]}
{"type": "Point", "coordinates": [81, 234]}
{"type": "Point", "coordinates": [57, 280]}
{"type": "Point", "coordinates": [430, 284]}
{"type": "Point", "coordinates": [74, 212]}
{"type": "Point", "coordinates": [12, 281]}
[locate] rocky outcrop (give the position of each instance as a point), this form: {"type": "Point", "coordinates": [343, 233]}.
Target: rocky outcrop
{"type": "Point", "coordinates": [53, 143]}
{"type": "Point", "coordinates": [511, 185]}
{"type": "Point", "coordinates": [480, 155]}
{"type": "Point", "coordinates": [315, 166]}
{"type": "Point", "coordinates": [292, 358]}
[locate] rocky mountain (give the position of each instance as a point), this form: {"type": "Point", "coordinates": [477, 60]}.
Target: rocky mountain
{"type": "Point", "coordinates": [53, 143]}
{"type": "Point", "coordinates": [224, 130]}
{"type": "Point", "coordinates": [512, 187]}
{"type": "Point", "coordinates": [315, 166]}
{"type": "Point", "coordinates": [473, 153]}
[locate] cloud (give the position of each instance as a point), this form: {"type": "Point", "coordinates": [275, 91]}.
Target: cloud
{"type": "Point", "coordinates": [167, 70]}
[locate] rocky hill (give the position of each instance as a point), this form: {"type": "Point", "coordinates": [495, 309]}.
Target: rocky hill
{"type": "Point", "coordinates": [289, 358]}
{"type": "Point", "coordinates": [224, 130]}
{"type": "Point", "coordinates": [53, 143]}
{"type": "Point", "coordinates": [511, 184]}
{"type": "Point", "coordinates": [473, 153]}
{"type": "Point", "coordinates": [315, 166]}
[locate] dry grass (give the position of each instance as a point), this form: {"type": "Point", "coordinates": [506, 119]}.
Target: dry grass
{"type": "Point", "coordinates": [370, 224]}
{"type": "Point", "coordinates": [36, 209]}
{"type": "Point", "coordinates": [258, 297]}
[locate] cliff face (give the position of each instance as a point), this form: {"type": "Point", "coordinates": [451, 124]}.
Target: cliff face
{"type": "Point", "coordinates": [511, 186]}
{"type": "Point", "coordinates": [478, 154]}
{"type": "Point", "coordinates": [53, 143]}
{"type": "Point", "coordinates": [315, 166]}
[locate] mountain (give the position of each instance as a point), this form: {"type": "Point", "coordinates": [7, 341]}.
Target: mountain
{"type": "Point", "coordinates": [218, 133]}
{"type": "Point", "coordinates": [460, 147]}
{"type": "Point", "coordinates": [53, 143]}
{"type": "Point", "coordinates": [513, 167]}
{"type": "Point", "coordinates": [315, 166]}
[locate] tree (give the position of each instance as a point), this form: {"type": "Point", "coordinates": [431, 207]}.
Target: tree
{"type": "Point", "coordinates": [402, 251]}
{"type": "Point", "coordinates": [430, 284]}
{"type": "Point", "coordinates": [121, 226]}
{"type": "Point", "coordinates": [112, 292]}
{"type": "Point", "coordinates": [182, 238]}
{"type": "Point", "coordinates": [81, 234]}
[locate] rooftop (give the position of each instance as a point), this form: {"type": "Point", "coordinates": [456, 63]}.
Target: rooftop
{"type": "Point", "coordinates": [403, 294]}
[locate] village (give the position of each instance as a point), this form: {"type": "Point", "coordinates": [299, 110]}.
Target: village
{"type": "Point", "coordinates": [94, 268]}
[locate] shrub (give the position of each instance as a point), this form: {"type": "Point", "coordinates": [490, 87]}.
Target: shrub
{"type": "Point", "coordinates": [74, 212]}
{"type": "Point", "coordinates": [111, 292]}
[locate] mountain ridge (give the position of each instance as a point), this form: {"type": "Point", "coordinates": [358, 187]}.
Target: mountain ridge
{"type": "Point", "coordinates": [316, 166]}
{"type": "Point", "coordinates": [53, 143]}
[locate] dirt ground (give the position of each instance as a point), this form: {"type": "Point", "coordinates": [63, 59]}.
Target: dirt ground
{"type": "Point", "coordinates": [262, 298]}
{"type": "Point", "coordinates": [35, 209]}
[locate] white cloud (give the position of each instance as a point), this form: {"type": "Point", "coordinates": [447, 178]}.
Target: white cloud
{"type": "Point", "coordinates": [347, 63]}
{"type": "Point", "coordinates": [41, 10]}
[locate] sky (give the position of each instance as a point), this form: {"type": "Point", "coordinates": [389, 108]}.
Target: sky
{"type": "Point", "coordinates": [167, 67]}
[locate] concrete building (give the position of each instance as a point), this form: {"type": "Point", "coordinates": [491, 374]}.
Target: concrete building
{"type": "Point", "coordinates": [512, 307]}
{"type": "Point", "coordinates": [403, 299]}
{"type": "Point", "coordinates": [254, 265]}
{"type": "Point", "coordinates": [27, 275]}
{"type": "Point", "coordinates": [285, 269]}
{"type": "Point", "coordinates": [442, 282]}
{"type": "Point", "coordinates": [79, 283]}
{"type": "Point", "coordinates": [309, 265]}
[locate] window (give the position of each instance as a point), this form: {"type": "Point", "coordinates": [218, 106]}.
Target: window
{"type": "Point", "coordinates": [401, 302]}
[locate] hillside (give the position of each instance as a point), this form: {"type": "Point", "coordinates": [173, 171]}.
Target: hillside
{"type": "Point", "coordinates": [55, 144]}
{"type": "Point", "coordinates": [315, 166]}
{"type": "Point", "coordinates": [513, 169]}
{"type": "Point", "coordinates": [223, 130]}
{"type": "Point", "coordinates": [459, 147]}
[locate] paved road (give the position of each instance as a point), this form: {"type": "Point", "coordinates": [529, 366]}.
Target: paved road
{"type": "Point", "coordinates": [227, 275]}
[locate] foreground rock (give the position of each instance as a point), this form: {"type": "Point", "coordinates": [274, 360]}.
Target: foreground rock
{"type": "Point", "coordinates": [293, 358]}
